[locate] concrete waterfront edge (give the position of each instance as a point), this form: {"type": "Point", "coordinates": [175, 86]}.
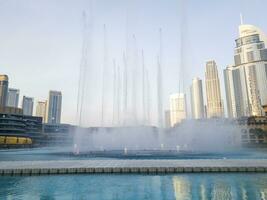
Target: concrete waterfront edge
{"type": "Point", "coordinates": [129, 170]}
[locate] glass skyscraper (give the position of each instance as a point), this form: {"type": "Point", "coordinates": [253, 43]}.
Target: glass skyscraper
{"type": "Point", "coordinates": [13, 98]}
{"type": "Point", "coordinates": [54, 107]}
{"type": "Point", "coordinates": [27, 105]}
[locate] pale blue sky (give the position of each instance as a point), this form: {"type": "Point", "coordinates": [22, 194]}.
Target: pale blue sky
{"type": "Point", "coordinates": [40, 40]}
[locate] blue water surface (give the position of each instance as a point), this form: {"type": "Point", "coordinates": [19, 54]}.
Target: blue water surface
{"type": "Point", "coordinates": [63, 153]}
{"type": "Point", "coordinates": [134, 187]}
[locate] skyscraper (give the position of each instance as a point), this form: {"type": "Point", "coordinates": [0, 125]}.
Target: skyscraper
{"type": "Point", "coordinates": [237, 104]}
{"type": "Point", "coordinates": [27, 105]}
{"type": "Point", "coordinates": [213, 91]}
{"type": "Point", "coordinates": [246, 80]}
{"type": "Point", "coordinates": [197, 102]}
{"type": "Point", "coordinates": [3, 90]}
{"type": "Point", "coordinates": [13, 98]}
{"type": "Point", "coordinates": [177, 108]}
{"type": "Point", "coordinates": [41, 110]}
{"type": "Point", "coordinates": [54, 107]}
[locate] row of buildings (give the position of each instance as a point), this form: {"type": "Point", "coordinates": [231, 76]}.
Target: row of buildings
{"type": "Point", "coordinates": [50, 110]}
{"type": "Point", "coordinates": [245, 84]}
{"type": "Point", "coordinates": [18, 126]}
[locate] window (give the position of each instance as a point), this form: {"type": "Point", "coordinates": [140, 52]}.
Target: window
{"type": "Point", "coordinates": [250, 56]}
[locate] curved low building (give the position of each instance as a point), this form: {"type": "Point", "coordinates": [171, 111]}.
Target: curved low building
{"type": "Point", "coordinates": [18, 129]}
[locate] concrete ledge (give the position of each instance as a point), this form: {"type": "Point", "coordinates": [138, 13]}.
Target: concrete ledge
{"type": "Point", "coordinates": [131, 166]}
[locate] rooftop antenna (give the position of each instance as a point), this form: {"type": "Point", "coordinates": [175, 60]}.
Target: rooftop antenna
{"type": "Point", "coordinates": [241, 19]}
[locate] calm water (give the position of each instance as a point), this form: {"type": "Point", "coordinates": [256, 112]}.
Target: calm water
{"type": "Point", "coordinates": [133, 187]}
{"type": "Point", "coordinates": [66, 154]}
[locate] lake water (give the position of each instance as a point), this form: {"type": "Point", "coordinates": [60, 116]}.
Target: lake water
{"type": "Point", "coordinates": [63, 153]}
{"type": "Point", "coordinates": [221, 186]}
{"type": "Point", "coordinates": [133, 187]}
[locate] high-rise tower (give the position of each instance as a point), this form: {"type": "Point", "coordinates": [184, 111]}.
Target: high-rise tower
{"type": "Point", "coordinates": [177, 108]}
{"type": "Point", "coordinates": [54, 107]}
{"type": "Point", "coordinates": [197, 102]}
{"type": "Point", "coordinates": [246, 80]}
{"type": "Point", "coordinates": [213, 91]}
{"type": "Point", "coordinates": [41, 110]}
{"type": "Point", "coordinates": [13, 98]}
{"type": "Point", "coordinates": [3, 90]}
{"type": "Point", "coordinates": [27, 105]}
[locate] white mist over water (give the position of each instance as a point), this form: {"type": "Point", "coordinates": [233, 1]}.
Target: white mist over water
{"type": "Point", "coordinates": [213, 135]}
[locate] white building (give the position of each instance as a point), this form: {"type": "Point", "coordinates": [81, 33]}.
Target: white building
{"type": "Point", "coordinates": [41, 110]}
{"type": "Point", "coordinates": [177, 108]}
{"type": "Point", "coordinates": [197, 102]}
{"type": "Point", "coordinates": [213, 91]}
{"type": "Point", "coordinates": [246, 80]}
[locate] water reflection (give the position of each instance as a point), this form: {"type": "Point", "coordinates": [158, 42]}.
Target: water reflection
{"type": "Point", "coordinates": [220, 186]}
{"type": "Point", "coordinates": [132, 187]}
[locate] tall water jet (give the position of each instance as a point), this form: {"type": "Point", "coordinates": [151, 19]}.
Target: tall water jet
{"type": "Point", "coordinates": [114, 92]}
{"type": "Point", "coordinates": [84, 69]}
{"type": "Point", "coordinates": [182, 45]}
{"type": "Point", "coordinates": [118, 95]}
{"type": "Point", "coordinates": [134, 81]}
{"type": "Point", "coordinates": [84, 65]}
{"type": "Point", "coordinates": [104, 73]}
{"type": "Point", "coordinates": [148, 103]}
{"type": "Point", "coordinates": [125, 89]}
{"type": "Point", "coordinates": [159, 81]}
{"type": "Point", "coordinates": [143, 90]}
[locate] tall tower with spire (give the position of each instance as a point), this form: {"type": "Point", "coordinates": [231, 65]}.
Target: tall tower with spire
{"type": "Point", "coordinates": [246, 80]}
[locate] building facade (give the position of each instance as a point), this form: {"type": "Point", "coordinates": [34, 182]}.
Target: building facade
{"type": "Point", "coordinates": [13, 98]}
{"type": "Point", "coordinates": [27, 105]}
{"type": "Point", "coordinates": [213, 91]}
{"type": "Point", "coordinates": [3, 90]}
{"type": "Point", "coordinates": [41, 110]}
{"type": "Point", "coordinates": [17, 129]}
{"type": "Point", "coordinates": [54, 107]}
{"type": "Point", "coordinates": [246, 80]}
{"type": "Point", "coordinates": [177, 108]}
{"type": "Point", "coordinates": [197, 102]}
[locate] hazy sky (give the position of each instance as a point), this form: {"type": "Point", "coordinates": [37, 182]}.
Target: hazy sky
{"type": "Point", "coordinates": [41, 41]}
